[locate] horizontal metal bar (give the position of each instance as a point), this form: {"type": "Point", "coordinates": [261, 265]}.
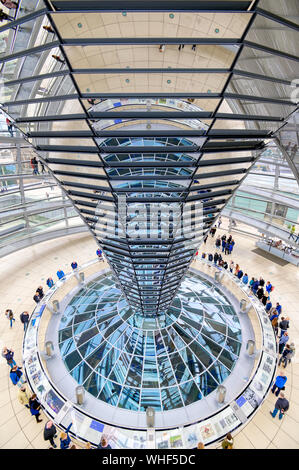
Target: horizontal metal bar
{"type": "Point", "coordinates": [270, 50]}
{"type": "Point", "coordinates": [128, 164]}
{"type": "Point", "coordinates": [48, 99]}
{"type": "Point", "coordinates": [277, 19]}
{"type": "Point", "coordinates": [256, 76]}
{"type": "Point", "coordinates": [24, 19]}
{"type": "Point", "coordinates": [31, 51]}
{"type": "Point", "coordinates": [258, 99]}
{"type": "Point", "coordinates": [118, 149]}
{"type": "Point", "coordinates": [152, 5]}
{"type": "Point", "coordinates": [19, 81]}
{"type": "Point", "coordinates": [149, 41]}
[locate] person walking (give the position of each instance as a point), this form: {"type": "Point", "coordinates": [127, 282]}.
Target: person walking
{"type": "Point", "coordinates": [9, 126]}
{"type": "Point", "coordinates": [181, 46]}
{"type": "Point", "coordinates": [260, 293]}
{"type": "Point", "coordinates": [226, 248]}
{"type": "Point", "coordinates": [34, 164]}
{"type": "Point", "coordinates": [223, 244]}
{"type": "Point", "coordinates": [278, 308]}
{"type": "Point", "coordinates": [219, 221]}
{"type": "Point", "coordinates": [231, 266]}
{"type": "Point", "coordinates": [279, 383]}
{"type": "Point", "coordinates": [16, 376]}
{"type": "Point", "coordinates": [35, 406]}
{"type": "Point", "coordinates": [58, 59]}
{"type": "Point", "coordinates": [292, 232]}
{"type": "Point", "coordinates": [261, 282]}
{"type": "Point", "coordinates": [24, 396]}
{"type": "Point", "coordinates": [205, 239]}
{"type": "Point", "coordinates": [228, 442]}
{"type": "Point", "coordinates": [245, 279]}
{"type": "Point", "coordinates": [50, 282]}
{"type": "Point", "coordinates": [65, 439]}
{"type": "Point", "coordinates": [268, 305]}
{"type": "Point", "coordinates": [99, 253]}
{"type": "Point", "coordinates": [50, 433]}
{"type": "Point", "coordinates": [284, 324]}
{"type": "Point", "coordinates": [36, 297]}
{"type": "Point", "coordinates": [40, 290]}
{"type": "Point", "coordinates": [42, 166]}
{"type": "Point", "coordinates": [283, 341]}
{"type": "Point", "coordinates": [283, 358]}
{"type": "Point", "coordinates": [8, 354]}
{"type": "Point", "coordinates": [104, 444]}
{"type": "Point", "coordinates": [9, 315]}
{"type": "Point", "coordinates": [24, 317]}
{"type": "Point", "coordinates": [193, 47]}
{"type": "Point", "coordinates": [237, 269]}
{"type": "Point", "coordinates": [282, 405]}
{"type": "Point", "coordinates": [49, 29]}
{"type": "Point", "coordinates": [74, 265]}
{"type": "Point", "coordinates": [60, 274]}
{"type": "Point", "coordinates": [218, 242]}
{"type": "Point", "coordinates": [268, 287]}
{"type": "Point", "coordinates": [240, 274]}
{"type": "Point", "coordinates": [216, 256]}
{"type": "Point", "coordinates": [286, 358]}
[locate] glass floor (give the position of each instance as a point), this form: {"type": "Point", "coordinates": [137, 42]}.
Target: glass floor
{"type": "Point", "coordinates": [134, 362]}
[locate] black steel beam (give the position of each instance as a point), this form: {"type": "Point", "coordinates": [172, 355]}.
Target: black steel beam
{"type": "Point", "coordinates": [277, 19]}
{"type": "Point", "coordinates": [24, 19]}
{"type": "Point", "coordinates": [149, 41]}
{"type": "Point", "coordinates": [31, 51]}
{"type": "Point", "coordinates": [269, 50]}
{"type": "Point", "coordinates": [19, 81]}
{"type": "Point", "coordinates": [152, 5]}
{"type": "Point", "coordinates": [108, 149]}
{"type": "Point", "coordinates": [128, 164]}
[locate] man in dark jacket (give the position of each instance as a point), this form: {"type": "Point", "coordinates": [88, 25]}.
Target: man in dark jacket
{"type": "Point", "coordinates": [104, 444]}
{"type": "Point", "coordinates": [8, 355]}
{"type": "Point", "coordinates": [36, 297]}
{"type": "Point", "coordinates": [281, 405]}
{"type": "Point", "coordinates": [50, 433]}
{"type": "Point", "coordinates": [216, 256]}
{"type": "Point", "coordinates": [284, 325]}
{"type": "Point", "coordinates": [24, 317]}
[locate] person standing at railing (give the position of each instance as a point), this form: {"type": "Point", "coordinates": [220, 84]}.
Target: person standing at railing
{"type": "Point", "coordinates": [60, 274]}
{"type": "Point", "coordinates": [50, 282]}
{"type": "Point", "coordinates": [5, 16]}
{"type": "Point", "coordinates": [9, 126]}
{"type": "Point", "coordinates": [292, 232]}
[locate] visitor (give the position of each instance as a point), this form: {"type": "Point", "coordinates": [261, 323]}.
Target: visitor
{"type": "Point", "coordinates": [268, 305]}
{"type": "Point", "coordinates": [213, 231]}
{"type": "Point", "coordinates": [278, 308]}
{"type": "Point", "coordinates": [218, 242]}
{"type": "Point", "coordinates": [40, 291]}
{"type": "Point", "coordinates": [104, 444]}
{"type": "Point", "coordinates": [16, 376]}
{"type": "Point", "coordinates": [58, 59]}
{"type": "Point", "coordinates": [60, 274]}
{"type": "Point", "coordinates": [292, 232]}
{"type": "Point", "coordinates": [228, 442]}
{"type": "Point", "coordinates": [193, 47]}
{"type": "Point", "coordinates": [9, 126]}
{"type": "Point", "coordinates": [24, 317]}
{"type": "Point", "coordinates": [219, 221]}
{"type": "Point", "coordinates": [42, 166]}
{"type": "Point", "coordinates": [274, 323]}
{"type": "Point", "coordinates": [283, 341]}
{"type": "Point", "coordinates": [65, 439]}
{"type": "Point", "coordinates": [225, 265]}
{"type": "Point", "coordinates": [181, 46]}
{"type": "Point", "coordinates": [261, 282]}
{"type": "Point", "coordinates": [223, 244]}
{"type": "Point", "coordinates": [255, 286]}
{"type": "Point", "coordinates": [74, 265]}
{"type": "Point", "coordinates": [35, 407]}
{"type": "Point", "coordinates": [237, 269]}
{"type": "Point", "coordinates": [226, 248]}
{"type": "Point", "coordinates": [210, 257]}
{"type": "Point", "coordinates": [231, 266]}
{"type": "Point", "coordinates": [49, 29]}
{"type": "Point", "coordinates": [24, 396]}
{"type": "Point", "coordinates": [50, 433]}
{"type": "Point", "coordinates": [284, 324]}
{"type": "Point", "coordinates": [8, 354]}
{"type": "Point", "coordinates": [264, 300]}
{"type": "Point", "coordinates": [284, 355]}
{"type": "Point", "coordinates": [205, 239]}
{"type": "Point", "coordinates": [34, 164]}
{"type": "Point", "coordinates": [9, 315]}
{"type": "Point", "coordinates": [281, 405]}
{"type": "Point", "coordinates": [268, 287]}
{"type": "Point", "coordinates": [260, 293]}
{"type": "Point", "coordinates": [200, 445]}
{"type": "Point", "coordinates": [216, 256]}
{"type": "Point", "coordinates": [50, 282]}
{"type": "Point", "coordinates": [240, 274]}
{"type": "Point", "coordinates": [99, 253]}
{"type": "Point", "coordinates": [287, 355]}
{"type": "Point", "coordinates": [88, 445]}
{"type": "Point", "coordinates": [9, 4]}
{"type": "Point", "coordinates": [279, 383]}
{"type": "Point", "coordinates": [245, 279]}
{"type": "Point", "coordinates": [36, 297]}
